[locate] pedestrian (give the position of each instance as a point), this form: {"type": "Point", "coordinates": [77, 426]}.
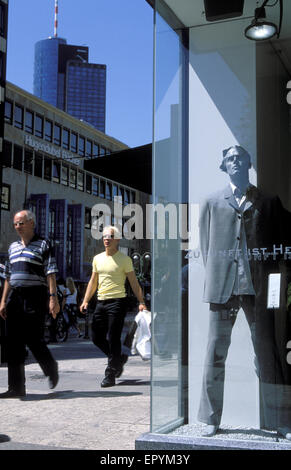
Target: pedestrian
{"type": "Point", "coordinates": [111, 268]}
{"type": "Point", "coordinates": [70, 304]}
{"type": "Point", "coordinates": [29, 282]}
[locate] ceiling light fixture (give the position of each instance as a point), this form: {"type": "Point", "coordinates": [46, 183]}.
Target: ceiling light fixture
{"type": "Point", "coordinates": [260, 29]}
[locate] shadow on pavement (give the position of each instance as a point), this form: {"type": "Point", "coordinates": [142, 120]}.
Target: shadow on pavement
{"type": "Point", "coordinates": [134, 382]}
{"type": "Point", "coordinates": [70, 394]}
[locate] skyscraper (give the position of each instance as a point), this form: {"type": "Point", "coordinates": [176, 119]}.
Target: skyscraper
{"type": "Point", "coordinates": [64, 78]}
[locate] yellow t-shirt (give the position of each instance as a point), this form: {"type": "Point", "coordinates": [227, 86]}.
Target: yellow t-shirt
{"type": "Point", "coordinates": [112, 272]}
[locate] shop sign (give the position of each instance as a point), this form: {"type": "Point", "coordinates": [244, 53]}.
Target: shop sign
{"type": "Point", "coordinates": [49, 149]}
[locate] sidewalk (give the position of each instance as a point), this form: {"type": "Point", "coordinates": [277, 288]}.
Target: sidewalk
{"type": "Point", "coordinates": [78, 413]}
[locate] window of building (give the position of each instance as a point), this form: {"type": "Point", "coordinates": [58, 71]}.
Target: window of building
{"type": "Point", "coordinates": [89, 147]}
{"type": "Point", "coordinates": [5, 197]}
{"type": "Point", "coordinates": [95, 186]}
{"type": "Point", "coordinates": [48, 131]}
{"type": "Point", "coordinates": [80, 181]}
{"type": "Point", "coordinates": [121, 193]}
{"type": "Point", "coordinates": [8, 111]}
{"type": "Point", "coordinates": [73, 178]}
{"type": "Point", "coordinates": [17, 157]}
{"type": "Point", "coordinates": [29, 121]}
{"type": "Point", "coordinates": [66, 139]}
{"type": "Point", "coordinates": [56, 172]}
{"type": "Point", "coordinates": [47, 168]}
{"type": "Point", "coordinates": [102, 151]}
{"type": "Point", "coordinates": [38, 131]}
{"type": "Point", "coordinates": [2, 67]}
{"type": "Point", "coordinates": [102, 188]}
{"type": "Point", "coordinates": [7, 154]}
{"type": "Point", "coordinates": [28, 159]}
{"type": "Point", "coordinates": [108, 191]}
{"type": "Point", "coordinates": [18, 116]}
{"type": "Point", "coordinates": [126, 196]}
{"type": "Point", "coordinates": [3, 20]}
{"type": "Point", "coordinates": [74, 141]}
{"type": "Point", "coordinates": [52, 224]}
{"type": "Point", "coordinates": [95, 150]}
{"type": "Point", "coordinates": [132, 197]}
{"type": "Point", "coordinates": [57, 134]}
{"type": "Point", "coordinates": [81, 147]}
{"type": "Point", "coordinates": [114, 190]}
{"type": "Point", "coordinates": [38, 165]}
{"type": "Point", "coordinates": [87, 217]}
{"type": "Point", "coordinates": [88, 183]}
{"type": "Point", "coordinates": [65, 175]}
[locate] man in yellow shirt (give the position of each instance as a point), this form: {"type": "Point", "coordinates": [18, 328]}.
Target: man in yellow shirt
{"type": "Point", "coordinates": [110, 270]}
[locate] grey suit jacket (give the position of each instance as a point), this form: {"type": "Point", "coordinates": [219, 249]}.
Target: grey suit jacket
{"type": "Point", "coordinates": [220, 229]}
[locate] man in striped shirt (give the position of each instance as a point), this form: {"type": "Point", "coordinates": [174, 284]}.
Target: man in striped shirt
{"type": "Point", "coordinates": [30, 279]}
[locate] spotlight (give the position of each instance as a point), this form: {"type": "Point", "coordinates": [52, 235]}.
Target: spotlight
{"type": "Point", "coordinates": [260, 29]}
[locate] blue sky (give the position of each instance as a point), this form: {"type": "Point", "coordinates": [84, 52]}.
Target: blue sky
{"type": "Point", "coordinates": [119, 33]}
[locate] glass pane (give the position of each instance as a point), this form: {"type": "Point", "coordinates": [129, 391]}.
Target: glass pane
{"type": "Point", "coordinates": [18, 116]}
{"type": "Point", "coordinates": [166, 406]}
{"type": "Point", "coordinates": [48, 131]}
{"type": "Point", "coordinates": [29, 122]}
{"type": "Point", "coordinates": [38, 126]}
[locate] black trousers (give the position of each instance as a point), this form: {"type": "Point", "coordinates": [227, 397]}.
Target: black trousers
{"type": "Point", "coordinates": [26, 308]}
{"type": "Point", "coordinates": [107, 324]}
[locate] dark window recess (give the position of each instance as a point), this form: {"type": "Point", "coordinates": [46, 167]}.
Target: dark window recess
{"type": "Point", "coordinates": [108, 191]}
{"type": "Point", "coordinates": [73, 178]}
{"type": "Point", "coordinates": [56, 172]}
{"type": "Point", "coordinates": [29, 121]}
{"type": "Point", "coordinates": [88, 149]}
{"type": "Point", "coordinates": [80, 181]}
{"type": "Point", "coordinates": [28, 159]}
{"type": "Point", "coordinates": [17, 157]}
{"type": "Point", "coordinates": [18, 116]}
{"type": "Point", "coordinates": [95, 186]}
{"type": "Point", "coordinates": [57, 134]}
{"type": "Point", "coordinates": [38, 165]}
{"type": "Point", "coordinates": [87, 217]}
{"type": "Point", "coordinates": [47, 169]}
{"type": "Point", "coordinates": [5, 197]}
{"type": "Point", "coordinates": [66, 139]}
{"type": "Point", "coordinates": [65, 175]}
{"type": "Point", "coordinates": [95, 150]}
{"type": "Point", "coordinates": [88, 184]}
{"type": "Point", "coordinates": [38, 131]}
{"type": "Point", "coordinates": [7, 154]}
{"type": "Point", "coordinates": [8, 112]}
{"type": "Point", "coordinates": [102, 151]}
{"type": "Point", "coordinates": [126, 196]}
{"type": "Point", "coordinates": [48, 131]}
{"type": "Point", "coordinates": [3, 20]}
{"type": "Point", "coordinates": [102, 189]}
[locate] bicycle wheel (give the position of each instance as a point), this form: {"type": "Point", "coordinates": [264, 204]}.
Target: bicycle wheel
{"type": "Point", "coordinates": [61, 329]}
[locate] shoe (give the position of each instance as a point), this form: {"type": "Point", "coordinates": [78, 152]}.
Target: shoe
{"type": "Point", "coordinates": [108, 382]}
{"type": "Point", "coordinates": [4, 438]}
{"type": "Point", "coordinates": [285, 432]}
{"type": "Point", "coordinates": [119, 371]}
{"type": "Point", "coordinates": [54, 376]}
{"type": "Point", "coordinates": [13, 394]}
{"type": "Point", "coordinates": [210, 430]}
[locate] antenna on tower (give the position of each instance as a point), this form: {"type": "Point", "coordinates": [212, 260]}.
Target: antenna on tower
{"type": "Point", "coordinates": [56, 19]}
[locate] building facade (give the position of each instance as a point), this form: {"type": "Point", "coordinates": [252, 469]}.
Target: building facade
{"type": "Point", "coordinates": [3, 54]}
{"type": "Point", "coordinates": [43, 170]}
{"type": "Point", "coordinates": [64, 78]}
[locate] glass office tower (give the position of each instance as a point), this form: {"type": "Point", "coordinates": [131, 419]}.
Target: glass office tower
{"type": "Point", "coordinates": [64, 78]}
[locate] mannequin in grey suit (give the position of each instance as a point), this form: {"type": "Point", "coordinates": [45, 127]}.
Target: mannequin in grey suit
{"type": "Point", "coordinates": [239, 226]}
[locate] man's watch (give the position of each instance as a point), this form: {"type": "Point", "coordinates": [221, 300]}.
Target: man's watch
{"type": "Point", "coordinates": [53, 294]}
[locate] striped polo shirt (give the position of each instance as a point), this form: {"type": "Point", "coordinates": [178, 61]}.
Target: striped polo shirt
{"type": "Point", "coordinates": [29, 265]}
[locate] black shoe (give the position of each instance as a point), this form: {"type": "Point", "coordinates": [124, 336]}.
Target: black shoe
{"type": "Point", "coordinates": [4, 438]}
{"type": "Point", "coordinates": [54, 376]}
{"type": "Point", "coordinates": [108, 381]}
{"type": "Point", "coordinates": [13, 394]}
{"type": "Point", "coordinates": [119, 371]}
